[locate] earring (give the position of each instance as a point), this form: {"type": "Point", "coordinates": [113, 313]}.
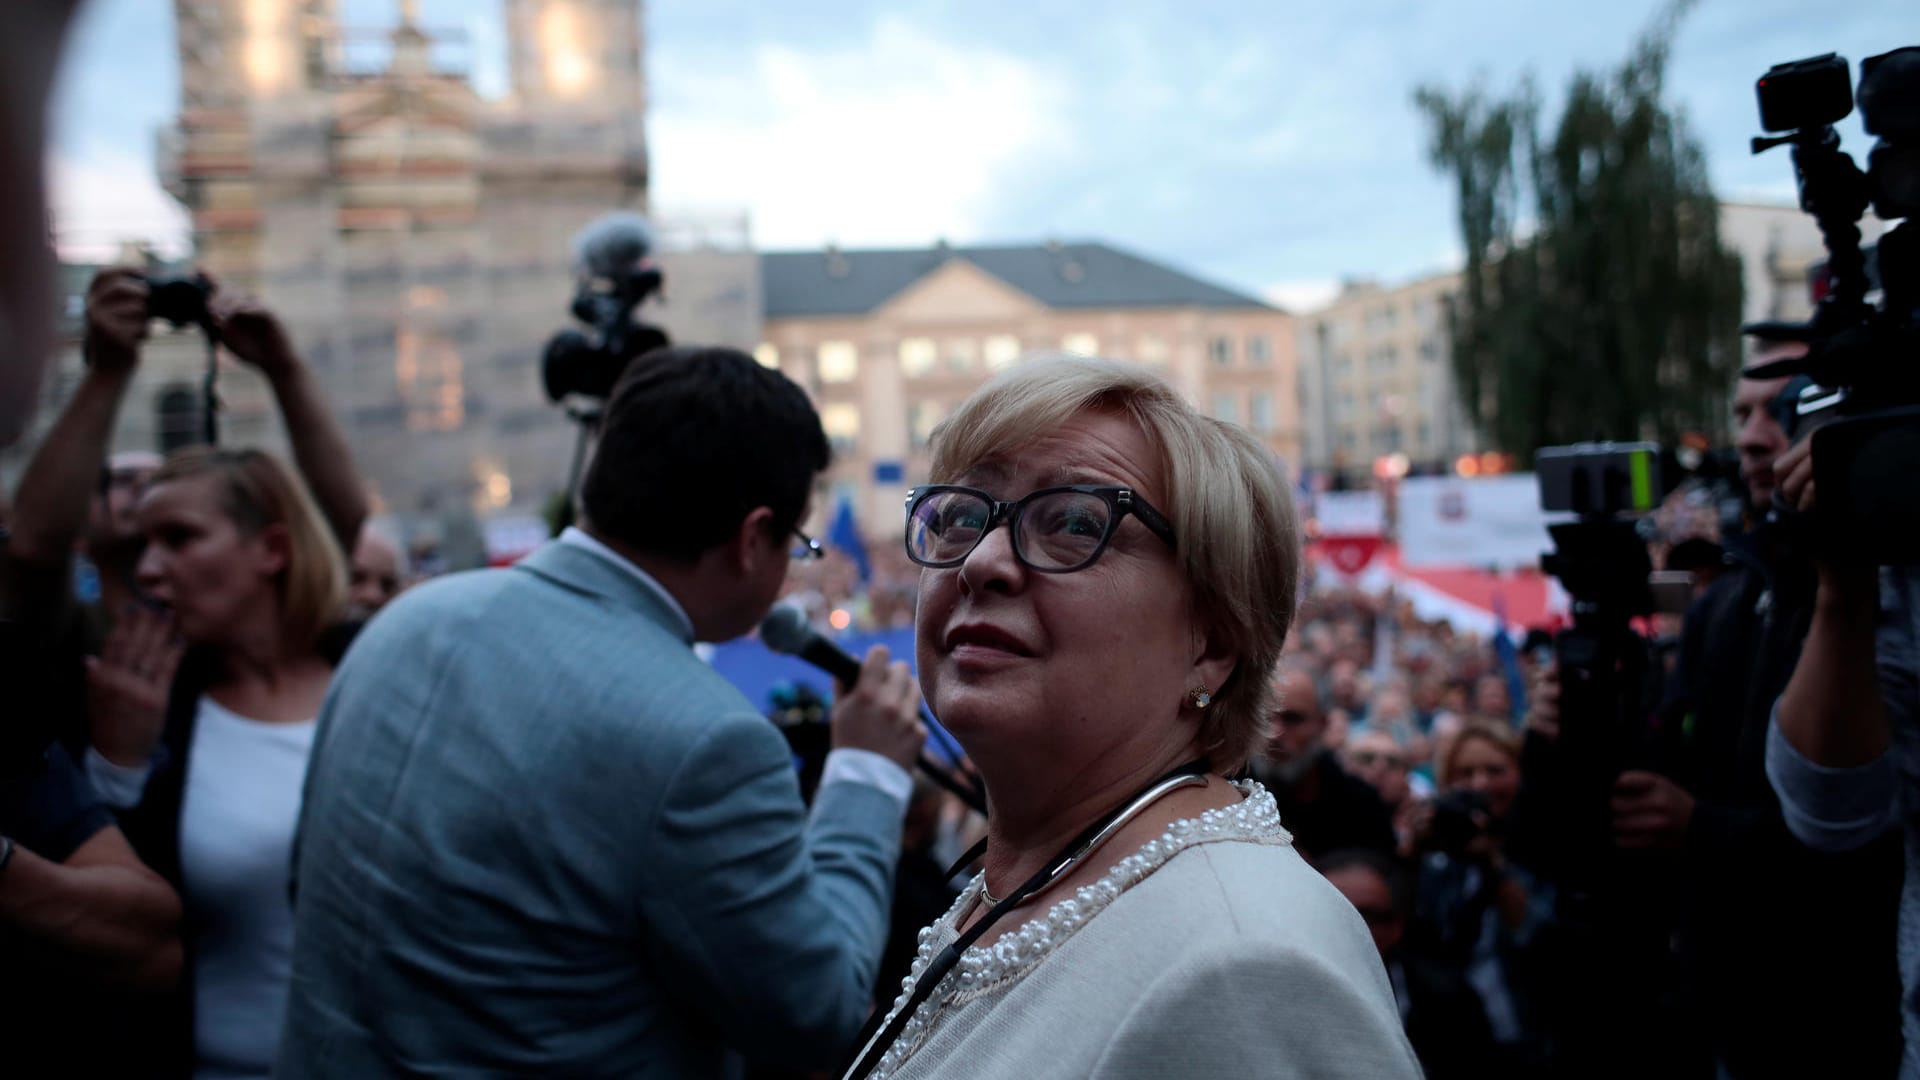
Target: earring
{"type": "Point", "coordinates": [1200, 696]}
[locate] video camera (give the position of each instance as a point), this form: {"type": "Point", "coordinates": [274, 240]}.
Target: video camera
{"type": "Point", "coordinates": [614, 258]}
{"type": "Point", "coordinates": [1858, 385]}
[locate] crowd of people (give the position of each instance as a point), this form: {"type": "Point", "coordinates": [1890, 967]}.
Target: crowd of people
{"type": "Point", "coordinates": [177, 628]}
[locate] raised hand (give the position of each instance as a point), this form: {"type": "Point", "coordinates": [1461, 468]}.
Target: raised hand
{"type": "Point", "coordinates": [128, 684]}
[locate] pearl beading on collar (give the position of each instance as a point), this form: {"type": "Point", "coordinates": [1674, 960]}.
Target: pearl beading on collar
{"type": "Point", "coordinates": [984, 969]}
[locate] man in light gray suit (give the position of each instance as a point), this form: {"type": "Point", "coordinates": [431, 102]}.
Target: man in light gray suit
{"type": "Point", "coordinates": [541, 837]}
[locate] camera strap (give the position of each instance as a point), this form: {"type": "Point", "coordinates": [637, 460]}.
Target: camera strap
{"type": "Point", "coordinates": [1076, 852]}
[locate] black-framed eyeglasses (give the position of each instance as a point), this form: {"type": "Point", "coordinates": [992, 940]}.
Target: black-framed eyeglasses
{"type": "Point", "coordinates": [808, 549]}
{"type": "Point", "coordinates": [1056, 530]}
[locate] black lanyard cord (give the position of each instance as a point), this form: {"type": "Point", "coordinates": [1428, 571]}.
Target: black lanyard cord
{"type": "Point", "coordinates": [1082, 846]}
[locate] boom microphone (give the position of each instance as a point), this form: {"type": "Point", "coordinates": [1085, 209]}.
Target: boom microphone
{"type": "Point", "coordinates": [785, 630]}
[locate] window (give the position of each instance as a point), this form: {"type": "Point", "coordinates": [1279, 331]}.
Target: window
{"type": "Point", "coordinates": [839, 362]}
{"type": "Point", "coordinates": [1259, 351]}
{"type": "Point", "coordinates": [1226, 407]}
{"type": "Point", "coordinates": [427, 368]}
{"type": "Point", "coordinates": [1430, 350]}
{"type": "Point", "coordinates": [1082, 344]}
{"type": "Point", "coordinates": [1260, 405]}
{"type": "Point", "coordinates": [917, 356]}
{"type": "Point", "coordinates": [1350, 439]}
{"type": "Point", "coordinates": [922, 418]}
{"type": "Point", "coordinates": [961, 354]}
{"type": "Point", "coordinates": [1153, 351]}
{"type": "Point", "coordinates": [767, 355]}
{"type": "Point", "coordinates": [1001, 351]}
{"type": "Point", "coordinates": [1221, 350]}
{"type": "Point", "coordinates": [842, 423]}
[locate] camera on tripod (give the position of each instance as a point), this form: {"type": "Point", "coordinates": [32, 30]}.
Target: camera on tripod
{"type": "Point", "coordinates": [614, 257]}
{"type": "Point", "coordinates": [1858, 385]}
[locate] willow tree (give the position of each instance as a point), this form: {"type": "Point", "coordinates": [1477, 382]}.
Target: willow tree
{"type": "Point", "coordinates": [1597, 300]}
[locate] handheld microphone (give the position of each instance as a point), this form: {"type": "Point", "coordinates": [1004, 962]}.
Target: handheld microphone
{"type": "Point", "coordinates": [785, 630]}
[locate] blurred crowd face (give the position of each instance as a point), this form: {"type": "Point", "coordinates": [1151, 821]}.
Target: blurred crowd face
{"type": "Point", "coordinates": [200, 564]}
{"type": "Point", "coordinates": [1376, 758]}
{"type": "Point", "coordinates": [1482, 766]}
{"type": "Point", "coordinates": [1369, 895]}
{"type": "Point", "coordinates": [1073, 666]}
{"type": "Point", "coordinates": [115, 517]}
{"type": "Point", "coordinates": [1343, 684]}
{"type": "Point", "coordinates": [375, 576]}
{"type": "Point", "coordinates": [1299, 726]}
{"type": "Point", "coordinates": [1491, 698]}
{"type": "Point", "coordinates": [1755, 431]}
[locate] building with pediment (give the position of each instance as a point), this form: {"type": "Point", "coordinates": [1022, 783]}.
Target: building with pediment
{"type": "Point", "coordinates": [889, 341]}
{"type": "Point", "coordinates": [415, 235]}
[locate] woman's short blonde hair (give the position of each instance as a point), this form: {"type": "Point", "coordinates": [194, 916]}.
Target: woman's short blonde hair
{"type": "Point", "coordinates": [258, 490]}
{"type": "Point", "coordinates": [1499, 736]}
{"type": "Point", "coordinates": [1237, 537]}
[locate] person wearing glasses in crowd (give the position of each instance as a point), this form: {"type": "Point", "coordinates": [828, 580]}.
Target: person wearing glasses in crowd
{"type": "Point", "coordinates": [542, 838]}
{"type": "Point", "coordinates": [1377, 758]}
{"type": "Point", "coordinates": [1107, 579]}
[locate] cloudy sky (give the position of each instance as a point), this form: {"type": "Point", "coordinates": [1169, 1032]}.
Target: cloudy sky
{"type": "Point", "coordinates": [1270, 145]}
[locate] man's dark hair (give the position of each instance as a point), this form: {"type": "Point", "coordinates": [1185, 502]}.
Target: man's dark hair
{"type": "Point", "coordinates": [1399, 890]}
{"type": "Point", "coordinates": [696, 437]}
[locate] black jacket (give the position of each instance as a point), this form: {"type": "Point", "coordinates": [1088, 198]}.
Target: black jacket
{"type": "Point", "coordinates": [1345, 813]}
{"type": "Point", "coordinates": [1789, 953]}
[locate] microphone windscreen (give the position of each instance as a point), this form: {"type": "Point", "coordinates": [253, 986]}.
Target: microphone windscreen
{"type": "Point", "coordinates": [785, 629]}
{"type": "Point", "coordinates": [614, 244]}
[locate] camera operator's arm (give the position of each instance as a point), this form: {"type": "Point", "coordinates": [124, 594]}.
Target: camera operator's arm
{"type": "Point", "coordinates": [101, 913]}
{"type": "Point", "coordinates": [50, 508]}
{"type": "Point", "coordinates": [1827, 747]}
{"type": "Point", "coordinates": [255, 335]}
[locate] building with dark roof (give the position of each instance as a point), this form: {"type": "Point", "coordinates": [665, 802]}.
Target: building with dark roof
{"type": "Point", "coordinates": [889, 341]}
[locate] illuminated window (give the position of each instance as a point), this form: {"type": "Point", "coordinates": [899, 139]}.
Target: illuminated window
{"type": "Point", "coordinates": [917, 356]}
{"type": "Point", "coordinates": [564, 43]}
{"type": "Point", "coordinates": [1081, 344]}
{"type": "Point", "coordinates": [1001, 351]}
{"type": "Point", "coordinates": [1153, 351]}
{"type": "Point", "coordinates": [427, 367]}
{"type": "Point", "coordinates": [767, 356]}
{"type": "Point", "coordinates": [839, 361]}
{"type": "Point", "coordinates": [266, 54]}
{"type": "Point", "coordinates": [493, 488]}
{"type": "Point", "coordinates": [922, 418]}
{"type": "Point", "coordinates": [842, 423]}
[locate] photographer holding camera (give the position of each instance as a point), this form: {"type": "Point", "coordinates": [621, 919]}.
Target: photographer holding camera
{"type": "Point", "coordinates": [107, 676]}
{"type": "Point", "coordinates": [1482, 915]}
{"type": "Point", "coordinates": [1843, 752]}
{"type": "Point", "coordinates": [1703, 856]}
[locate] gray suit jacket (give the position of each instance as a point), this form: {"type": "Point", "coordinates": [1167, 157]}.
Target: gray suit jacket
{"type": "Point", "coordinates": [541, 837]}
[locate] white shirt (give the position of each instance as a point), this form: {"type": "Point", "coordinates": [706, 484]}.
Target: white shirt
{"type": "Point", "coordinates": [237, 818]}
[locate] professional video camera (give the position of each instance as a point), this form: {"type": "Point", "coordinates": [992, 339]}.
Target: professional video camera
{"type": "Point", "coordinates": [613, 256]}
{"type": "Point", "coordinates": [1859, 393]}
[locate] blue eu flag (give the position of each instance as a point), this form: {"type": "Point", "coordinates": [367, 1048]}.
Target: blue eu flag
{"type": "Point", "coordinates": [845, 535]}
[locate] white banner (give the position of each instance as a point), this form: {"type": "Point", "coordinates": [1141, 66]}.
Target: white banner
{"type": "Point", "coordinates": [1350, 513]}
{"type": "Point", "coordinates": [1491, 522]}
